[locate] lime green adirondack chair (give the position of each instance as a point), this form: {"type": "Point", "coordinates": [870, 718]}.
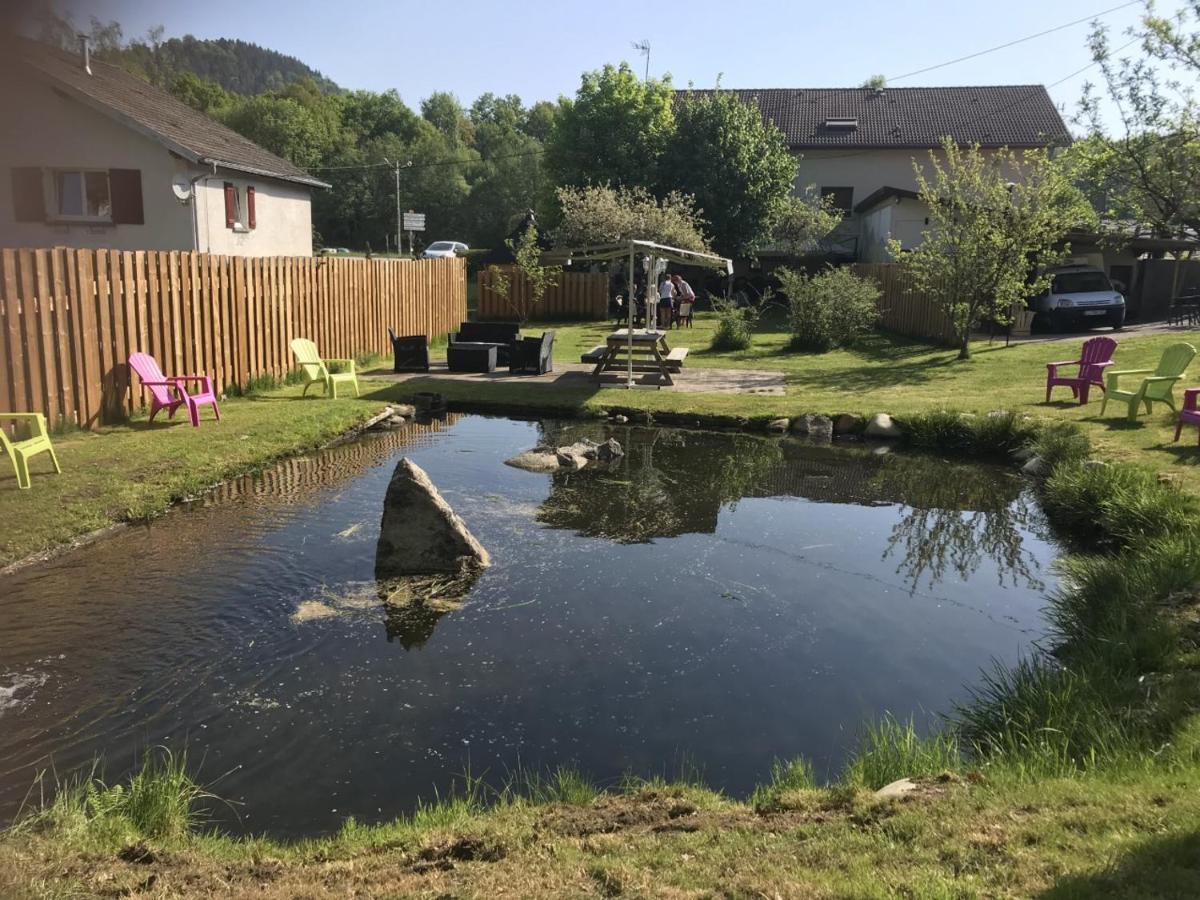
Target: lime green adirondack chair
{"type": "Point", "coordinates": [1156, 387]}
{"type": "Point", "coordinates": [21, 451]}
{"type": "Point", "coordinates": [317, 371]}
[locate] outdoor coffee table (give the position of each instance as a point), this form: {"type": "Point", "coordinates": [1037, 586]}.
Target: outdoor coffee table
{"type": "Point", "coordinates": [648, 353]}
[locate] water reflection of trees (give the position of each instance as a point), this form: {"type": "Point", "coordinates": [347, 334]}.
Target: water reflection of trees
{"type": "Point", "coordinates": [956, 518]}
{"type": "Point", "coordinates": [668, 482]}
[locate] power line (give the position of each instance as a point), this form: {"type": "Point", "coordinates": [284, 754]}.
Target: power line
{"type": "Point", "coordinates": [1014, 43]}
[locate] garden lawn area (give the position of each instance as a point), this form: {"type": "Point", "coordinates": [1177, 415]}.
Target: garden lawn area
{"type": "Point", "coordinates": [135, 471]}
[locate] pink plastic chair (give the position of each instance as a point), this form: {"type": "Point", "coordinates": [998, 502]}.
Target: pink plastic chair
{"type": "Point", "coordinates": [1189, 414]}
{"type": "Point", "coordinates": [170, 392]}
{"type": "Point", "coordinates": [1096, 357]}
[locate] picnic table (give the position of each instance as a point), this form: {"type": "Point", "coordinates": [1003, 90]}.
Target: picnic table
{"type": "Point", "coordinates": [648, 351]}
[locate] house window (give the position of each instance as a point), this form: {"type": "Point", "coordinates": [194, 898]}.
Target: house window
{"type": "Point", "coordinates": [239, 213]}
{"type": "Point", "coordinates": [841, 198]}
{"type": "Point", "coordinates": [81, 195]}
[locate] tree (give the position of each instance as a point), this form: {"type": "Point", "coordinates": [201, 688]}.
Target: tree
{"type": "Point", "coordinates": [443, 111]}
{"type": "Point", "coordinates": [206, 96]}
{"type": "Point", "coordinates": [1149, 170]}
{"type": "Point", "coordinates": [606, 215]}
{"type": "Point", "coordinates": [527, 255]}
{"type": "Point", "coordinates": [995, 219]}
{"type": "Point", "coordinates": [509, 177]}
{"type": "Point", "coordinates": [736, 166]}
{"type": "Point", "coordinates": [804, 222]}
{"type": "Point", "coordinates": [613, 131]}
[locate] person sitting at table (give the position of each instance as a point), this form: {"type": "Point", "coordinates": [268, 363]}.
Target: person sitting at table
{"type": "Point", "coordinates": [666, 301]}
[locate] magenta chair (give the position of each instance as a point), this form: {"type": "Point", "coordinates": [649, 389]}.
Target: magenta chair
{"type": "Point", "coordinates": [1189, 414]}
{"type": "Point", "coordinates": [170, 392]}
{"type": "Point", "coordinates": [1096, 357]}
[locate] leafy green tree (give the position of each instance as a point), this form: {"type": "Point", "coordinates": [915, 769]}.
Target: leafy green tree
{"type": "Point", "coordinates": [995, 219]}
{"type": "Point", "coordinates": [540, 120]}
{"type": "Point", "coordinates": [368, 115]}
{"type": "Point", "coordinates": [509, 178]}
{"type": "Point", "coordinates": [527, 256]}
{"type": "Point", "coordinates": [613, 131]}
{"type": "Point", "coordinates": [294, 127]}
{"type": "Point", "coordinates": [604, 215]}
{"type": "Point", "coordinates": [443, 111]}
{"type": "Point", "coordinates": [804, 222]}
{"type": "Point", "coordinates": [736, 166]}
{"type": "Point", "coordinates": [206, 96]}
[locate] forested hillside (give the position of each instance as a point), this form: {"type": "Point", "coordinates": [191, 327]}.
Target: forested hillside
{"type": "Point", "coordinates": [237, 66]}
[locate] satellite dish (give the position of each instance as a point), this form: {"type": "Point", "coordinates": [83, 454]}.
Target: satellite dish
{"type": "Point", "coordinates": [182, 187]}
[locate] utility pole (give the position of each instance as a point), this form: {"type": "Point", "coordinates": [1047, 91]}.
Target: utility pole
{"type": "Point", "coordinates": [399, 216]}
{"type": "Point", "coordinates": [643, 47]}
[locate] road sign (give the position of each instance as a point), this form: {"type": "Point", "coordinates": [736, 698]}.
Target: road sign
{"type": "Point", "coordinates": [414, 221]}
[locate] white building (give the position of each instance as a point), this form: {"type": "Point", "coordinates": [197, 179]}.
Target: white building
{"type": "Point", "coordinates": [858, 145]}
{"type": "Point", "coordinates": [91, 156]}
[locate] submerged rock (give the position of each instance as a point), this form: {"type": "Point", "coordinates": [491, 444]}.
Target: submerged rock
{"type": "Point", "coordinates": [536, 460]}
{"type": "Point", "coordinates": [413, 605]}
{"type": "Point", "coordinates": [882, 426]}
{"type": "Point", "coordinates": [420, 534]}
{"type": "Point", "coordinates": [1036, 467]}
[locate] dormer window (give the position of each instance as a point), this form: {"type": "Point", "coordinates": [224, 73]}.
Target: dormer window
{"type": "Point", "coordinates": [842, 123]}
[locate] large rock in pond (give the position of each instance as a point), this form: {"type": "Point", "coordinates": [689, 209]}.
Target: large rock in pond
{"type": "Point", "coordinates": [420, 533]}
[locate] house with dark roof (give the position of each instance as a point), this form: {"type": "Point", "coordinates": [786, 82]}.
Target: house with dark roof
{"type": "Point", "coordinates": [94, 157]}
{"type": "Point", "coordinates": [858, 145]}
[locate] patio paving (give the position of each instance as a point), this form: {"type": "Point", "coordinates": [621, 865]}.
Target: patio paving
{"type": "Point", "coordinates": [567, 375]}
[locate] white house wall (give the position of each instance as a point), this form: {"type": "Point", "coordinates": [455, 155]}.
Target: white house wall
{"type": "Point", "coordinates": [42, 127]}
{"type": "Point", "coordinates": [283, 218]}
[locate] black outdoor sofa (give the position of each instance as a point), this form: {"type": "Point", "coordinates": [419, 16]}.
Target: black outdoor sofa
{"type": "Point", "coordinates": [466, 351]}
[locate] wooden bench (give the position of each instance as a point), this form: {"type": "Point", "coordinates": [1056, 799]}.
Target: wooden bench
{"type": "Point", "coordinates": [594, 355]}
{"type": "Point", "coordinates": [675, 358]}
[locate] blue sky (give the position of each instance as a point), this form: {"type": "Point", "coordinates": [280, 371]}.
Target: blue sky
{"type": "Point", "coordinates": [538, 49]}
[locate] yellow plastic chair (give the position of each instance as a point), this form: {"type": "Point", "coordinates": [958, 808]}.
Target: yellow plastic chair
{"type": "Point", "coordinates": [316, 370]}
{"type": "Point", "coordinates": [22, 451]}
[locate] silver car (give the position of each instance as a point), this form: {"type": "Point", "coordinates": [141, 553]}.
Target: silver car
{"type": "Point", "coordinates": [444, 250]}
{"type": "Point", "coordinates": [1078, 297]}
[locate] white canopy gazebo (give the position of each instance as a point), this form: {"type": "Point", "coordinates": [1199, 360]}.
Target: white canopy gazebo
{"type": "Point", "coordinates": [631, 250]}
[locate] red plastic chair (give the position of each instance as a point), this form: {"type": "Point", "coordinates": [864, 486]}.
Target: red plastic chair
{"type": "Point", "coordinates": [1189, 414]}
{"type": "Point", "coordinates": [1096, 357]}
{"type": "Point", "coordinates": [170, 392]}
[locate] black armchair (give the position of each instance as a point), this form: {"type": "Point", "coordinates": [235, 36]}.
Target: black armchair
{"type": "Point", "coordinates": [411, 353]}
{"type": "Point", "coordinates": [532, 356]}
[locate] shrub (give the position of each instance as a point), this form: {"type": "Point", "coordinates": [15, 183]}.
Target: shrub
{"type": "Point", "coordinates": [830, 309]}
{"type": "Point", "coordinates": [949, 431]}
{"type": "Point", "coordinates": [735, 324]}
{"type": "Point", "coordinates": [1060, 443]}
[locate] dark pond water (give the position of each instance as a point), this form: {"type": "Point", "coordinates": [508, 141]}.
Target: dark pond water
{"type": "Point", "coordinates": [718, 598]}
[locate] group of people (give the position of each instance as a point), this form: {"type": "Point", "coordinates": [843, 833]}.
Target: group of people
{"type": "Point", "coordinates": [672, 292]}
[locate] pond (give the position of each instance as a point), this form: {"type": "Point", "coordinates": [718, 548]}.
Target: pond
{"type": "Point", "coordinates": [720, 599]}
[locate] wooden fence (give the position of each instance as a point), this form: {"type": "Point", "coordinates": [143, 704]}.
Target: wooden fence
{"type": "Point", "coordinates": [70, 318]}
{"type": "Point", "coordinates": [904, 310]}
{"type": "Point", "coordinates": [578, 295]}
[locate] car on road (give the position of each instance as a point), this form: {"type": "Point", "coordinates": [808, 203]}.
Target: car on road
{"type": "Point", "coordinates": [444, 250]}
{"type": "Point", "coordinates": [1078, 297]}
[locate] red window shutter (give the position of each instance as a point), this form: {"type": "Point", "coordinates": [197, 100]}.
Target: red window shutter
{"type": "Point", "coordinates": [230, 205]}
{"type": "Point", "coordinates": [28, 195]}
{"type": "Point", "coordinates": [125, 191]}
{"type": "Point", "coordinates": [250, 207]}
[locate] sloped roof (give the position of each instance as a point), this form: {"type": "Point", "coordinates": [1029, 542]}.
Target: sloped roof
{"type": "Point", "coordinates": [1019, 116]}
{"type": "Point", "coordinates": [156, 114]}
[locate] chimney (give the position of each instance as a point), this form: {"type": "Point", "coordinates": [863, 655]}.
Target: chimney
{"type": "Point", "coordinates": [85, 52]}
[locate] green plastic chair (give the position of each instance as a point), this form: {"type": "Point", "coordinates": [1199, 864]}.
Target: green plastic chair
{"type": "Point", "coordinates": [1157, 388]}
{"type": "Point", "coordinates": [22, 451]}
{"type": "Point", "coordinates": [316, 370]}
